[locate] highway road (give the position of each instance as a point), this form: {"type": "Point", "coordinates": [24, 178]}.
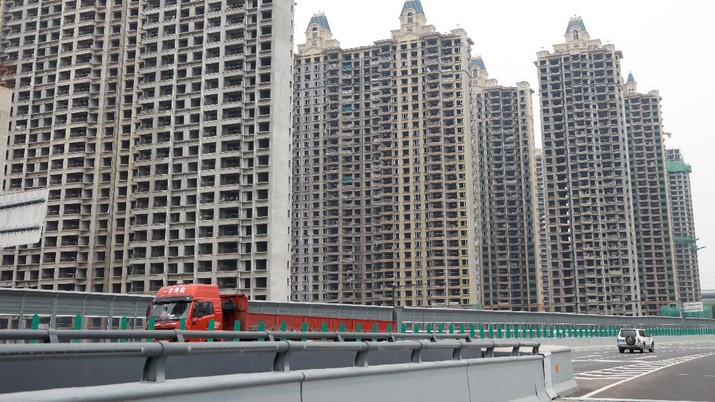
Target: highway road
{"type": "Point", "coordinates": [677, 371]}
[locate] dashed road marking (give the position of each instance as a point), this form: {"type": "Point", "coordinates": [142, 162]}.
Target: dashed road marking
{"type": "Point", "coordinates": [632, 371]}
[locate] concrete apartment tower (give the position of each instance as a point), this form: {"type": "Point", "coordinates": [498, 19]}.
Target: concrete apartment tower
{"type": "Point", "coordinates": [686, 249]}
{"type": "Point", "coordinates": [654, 236]}
{"type": "Point", "coordinates": [5, 109]}
{"type": "Point", "coordinates": [543, 247]}
{"type": "Point", "coordinates": [384, 171]}
{"type": "Point", "coordinates": [162, 129]}
{"type": "Point", "coordinates": [589, 207]}
{"type": "Point", "coordinates": [509, 223]}
{"type": "Point", "coordinates": [72, 116]}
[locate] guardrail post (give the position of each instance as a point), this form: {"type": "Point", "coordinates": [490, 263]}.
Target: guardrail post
{"type": "Point", "coordinates": [374, 327]}
{"type": "Point", "coordinates": [461, 327]}
{"type": "Point", "coordinates": [531, 331]}
{"type": "Point", "coordinates": [403, 329]}
{"type": "Point", "coordinates": [499, 332]}
{"type": "Point", "coordinates": [358, 328]}
{"type": "Point", "coordinates": [283, 327]}
{"type": "Point", "coordinates": [150, 326]}
{"type": "Point", "coordinates": [77, 325]}
{"type": "Point", "coordinates": [451, 328]}
{"type": "Point", "coordinates": [155, 369]}
{"type": "Point", "coordinates": [35, 324]}
{"type": "Point", "coordinates": [304, 328]}
{"type": "Point", "coordinates": [324, 328]}
{"type": "Point", "coordinates": [491, 332]}
{"type": "Point", "coordinates": [123, 327]}
{"type": "Point", "coordinates": [237, 327]}
{"type": "Point", "coordinates": [471, 331]}
{"type": "Point", "coordinates": [389, 327]}
{"type": "Point", "coordinates": [524, 331]}
{"type": "Point", "coordinates": [341, 327]}
{"type": "Point", "coordinates": [440, 328]}
{"type": "Point", "coordinates": [429, 328]}
{"type": "Point", "coordinates": [415, 329]}
{"type": "Point", "coordinates": [507, 329]}
{"type": "Point", "coordinates": [210, 327]}
{"type": "Point", "coordinates": [481, 331]}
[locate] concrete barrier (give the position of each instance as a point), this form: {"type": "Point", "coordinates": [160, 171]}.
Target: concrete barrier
{"type": "Point", "coordinates": [496, 379]}
{"type": "Point", "coordinates": [558, 371]}
{"type": "Point", "coordinates": [512, 379]}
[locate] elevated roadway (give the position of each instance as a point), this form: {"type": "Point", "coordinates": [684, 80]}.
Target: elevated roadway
{"type": "Point", "coordinates": [680, 369]}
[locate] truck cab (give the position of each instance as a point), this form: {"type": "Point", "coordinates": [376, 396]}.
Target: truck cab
{"type": "Point", "coordinates": [196, 304]}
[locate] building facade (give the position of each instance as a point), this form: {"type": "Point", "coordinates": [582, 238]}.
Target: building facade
{"type": "Point", "coordinates": [686, 249]}
{"type": "Point", "coordinates": [654, 236]}
{"type": "Point", "coordinates": [384, 173]}
{"type": "Point", "coordinates": [509, 221]}
{"type": "Point", "coordinates": [589, 205]}
{"type": "Point", "coordinates": [541, 203]}
{"type": "Point", "coordinates": [162, 130]}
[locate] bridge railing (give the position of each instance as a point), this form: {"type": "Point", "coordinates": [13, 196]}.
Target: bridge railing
{"type": "Point", "coordinates": [59, 309]}
{"type": "Point", "coordinates": [279, 349]}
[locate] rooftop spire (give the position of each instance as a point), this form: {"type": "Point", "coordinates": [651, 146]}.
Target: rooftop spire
{"type": "Point", "coordinates": [576, 31]}
{"type": "Point", "coordinates": [413, 4]}
{"type": "Point", "coordinates": [630, 87]}
{"type": "Point", "coordinates": [576, 22]}
{"type": "Point", "coordinates": [321, 20]}
{"type": "Point", "coordinates": [318, 36]}
{"type": "Point", "coordinates": [477, 62]}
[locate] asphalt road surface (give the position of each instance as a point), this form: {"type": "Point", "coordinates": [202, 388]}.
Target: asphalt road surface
{"type": "Point", "coordinates": [677, 371]}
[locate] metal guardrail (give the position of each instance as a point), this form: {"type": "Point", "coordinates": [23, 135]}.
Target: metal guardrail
{"type": "Point", "coordinates": [157, 353]}
{"type": "Point", "coordinates": [176, 335]}
{"type": "Point", "coordinates": [19, 305]}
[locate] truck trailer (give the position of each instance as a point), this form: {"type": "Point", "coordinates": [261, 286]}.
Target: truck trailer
{"type": "Point", "coordinates": [198, 305]}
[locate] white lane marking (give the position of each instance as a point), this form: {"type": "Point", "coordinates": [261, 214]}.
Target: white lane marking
{"type": "Point", "coordinates": [623, 400]}
{"type": "Point", "coordinates": [663, 364]}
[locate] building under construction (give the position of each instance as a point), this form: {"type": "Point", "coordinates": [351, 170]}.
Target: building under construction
{"type": "Point", "coordinates": [589, 210]}
{"type": "Point", "coordinates": [686, 249]}
{"type": "Point", "coordinates": [383, 171]}
{"type": "Point", "coordinates": [510, 238]}
{"type": "Point", "coordinates": [647, 161]}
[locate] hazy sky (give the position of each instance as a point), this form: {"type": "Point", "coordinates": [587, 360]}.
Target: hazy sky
{"type": "Point", "coordinates": [667, 45]}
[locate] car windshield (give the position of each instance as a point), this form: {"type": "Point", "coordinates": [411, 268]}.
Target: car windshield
{"type": "Point", "coordinates": [169, 311]}
{"type": "Point", "coordinates": [628, 332]}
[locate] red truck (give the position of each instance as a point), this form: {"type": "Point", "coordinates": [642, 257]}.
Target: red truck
{"type": "Point", "coordinates": [198, 304]}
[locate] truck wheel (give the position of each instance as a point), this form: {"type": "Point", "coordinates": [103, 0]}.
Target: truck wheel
{"type": "Point", "coordinates": [631, 350]}
{"type": "Point", "coordinates": [652, 347]}
{"type": "Point", "coordinates": [621, 350]}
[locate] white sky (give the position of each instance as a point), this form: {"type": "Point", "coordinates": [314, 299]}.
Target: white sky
{"type": "Point", "coordinates": [667, 45]}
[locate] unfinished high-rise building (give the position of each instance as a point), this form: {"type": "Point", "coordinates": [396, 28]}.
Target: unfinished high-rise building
{"type": "Point", "coordinates": [686, 249]}
{"type": "Point", "coordinates": [654, 236]}
{"type": "Point", "coordinates": [509, 221]}
{"type": "Point", "coordinates": [162, 130]}
{"type": "Point", "coordinates": [544, 252]}
{"type": "Point", "coordinates": [589, 208]}
{"type": "Point", "coordinates": [383, 171]}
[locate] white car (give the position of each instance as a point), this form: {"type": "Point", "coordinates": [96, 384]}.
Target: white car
{"type": "Point", "coordinates": [633, 338]}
